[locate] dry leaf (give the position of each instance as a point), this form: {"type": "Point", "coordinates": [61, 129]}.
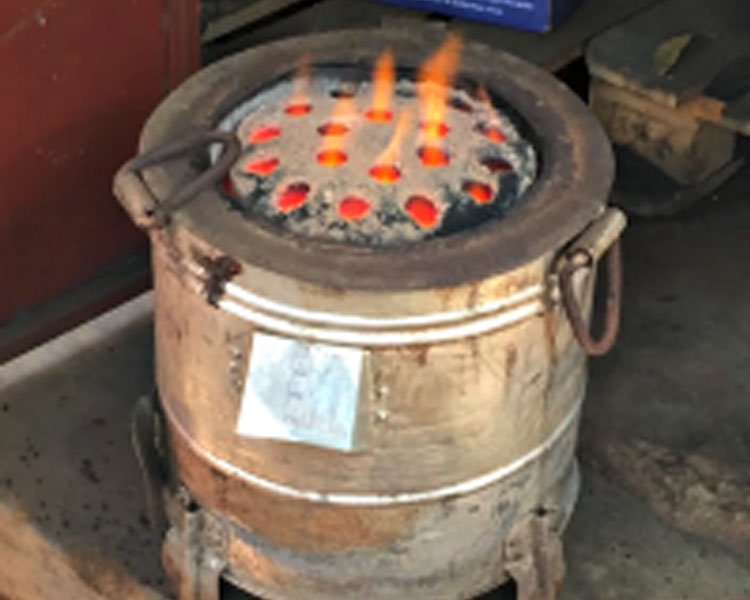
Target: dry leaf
{"type": "Point", "coordinates": [669, 52]}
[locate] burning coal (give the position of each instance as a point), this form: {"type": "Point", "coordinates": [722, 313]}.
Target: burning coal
{"type": "Point", "coordinates": [388, 159]}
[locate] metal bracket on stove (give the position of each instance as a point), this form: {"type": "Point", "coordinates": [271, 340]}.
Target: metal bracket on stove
{"type": "Point", "coordinates": [147, 438]}
{"type": "Point", "coordinates": [195, 545]}
{"type": "Point", "coordinates": [193, 556]}
{"type": "Point", "coordinates": [146, 210]}
{"type": "Point", "coordinates": [534, 555]}
{"type": "Point", "coordinates": [601, 238]}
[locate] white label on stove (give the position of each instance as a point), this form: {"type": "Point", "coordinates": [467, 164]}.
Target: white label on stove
{"type": "Point", "coordinates": [301, 392]}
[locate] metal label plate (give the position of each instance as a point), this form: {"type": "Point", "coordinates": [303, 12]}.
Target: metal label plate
{"type": "Point", "coordinates": [301, 392]}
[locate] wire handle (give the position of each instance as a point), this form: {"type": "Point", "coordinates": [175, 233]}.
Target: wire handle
{"type": "Point", "coordinates": [147, 211]}
{"type": "Point", "coordinates": [600, 240]}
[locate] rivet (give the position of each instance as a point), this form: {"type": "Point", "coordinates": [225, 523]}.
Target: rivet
{"type": "Point", "coordinates": [381, 415]}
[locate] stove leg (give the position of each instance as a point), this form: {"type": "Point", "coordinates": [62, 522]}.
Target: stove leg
{"type": "Point", "coordinates": [209, 578]}
{"type": "Point", "coordinates": [147, 438]}
{"type": "Point", "coordinates": [194, 570]}
{"type": "Point", "coordinates": [534, 556]}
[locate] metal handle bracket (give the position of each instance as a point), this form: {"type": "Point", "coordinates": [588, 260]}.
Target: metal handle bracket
{"type": "Point", "coordinates": [144, 208]}
{"type": "Point", "coordinates": [601, 238]}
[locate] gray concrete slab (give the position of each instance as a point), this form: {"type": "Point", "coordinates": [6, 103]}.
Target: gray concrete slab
{"type": "Point", "coordinates": [65, 462]}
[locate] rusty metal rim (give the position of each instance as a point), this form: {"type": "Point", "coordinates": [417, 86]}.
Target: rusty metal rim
{"type": "Point", "coordinates": [577, 170]}
{"type": "Point", "coordinates": [364, 499]}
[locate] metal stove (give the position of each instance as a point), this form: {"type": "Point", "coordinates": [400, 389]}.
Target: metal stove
{"type": "Point", "coordinates": [373, 274]}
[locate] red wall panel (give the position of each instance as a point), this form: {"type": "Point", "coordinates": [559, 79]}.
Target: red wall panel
{"type": "Point", "coordinates": [77, 80]}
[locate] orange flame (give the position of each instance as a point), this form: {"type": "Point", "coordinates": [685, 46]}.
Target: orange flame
{"type": "Point", "coordinates": [390, 155]}
{"type": "Point", "coordinates": [384, 81]}
{"type": "Point", "coordinates": [491, 128]}
{"type": "Point", "coordinates": [484, 98]}
{"type": "Point", "coordinates": [435, 78]}
{"type": "Point", "coordinates": [343, 111]}
{"type": "Point", "coordinates": [331, 152]}
{"type": "Point", "coordinates": [486, 103]}
{"type": "Point", "coordinates": [299, 100]}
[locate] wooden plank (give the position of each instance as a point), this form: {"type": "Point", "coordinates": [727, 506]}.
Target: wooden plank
{"type": "Point", "coordinates": [733, 116]}
{"type": "Point", "coordinates": [552, 50]}
{"type": "Point", "coordinates": [34, 568]}
{"type": "Point", "coordinates": [687, 148]}
{"type": "Point", "coordinates": [251, 13]}
{"type": "Point", "coordinates": [327, 15]}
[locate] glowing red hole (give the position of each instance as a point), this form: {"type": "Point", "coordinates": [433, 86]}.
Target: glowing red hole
{"type": "Point", "coordinates": [380, 115]}
{"type": "Point", "coordinates": [435, 129]}
{"type": "Point", "coordinates": [263, 134]}
{"type": "Point", "coordinates": [496, 165]}
{"type": "Point", "coordinates": [481, 192]}
{"type": "Point", "coordinates": [293, 196]}
{"type": "Point", "coordinates": [385, 173]}
{"type": "Point", "coordinates": [261, 166]}
{"type": "Point", "coordinates": [422, 210]}
{"type": "Point", "coordinates": [297, 110]}
{"type": "Point", "coordinates": [492, 132]}
{"type": "Point", "coordinates": [461, 105]}
{"type": "Point", "coordinates": [432, 156]}
{"type": "Point", "coordinates": [333, 129]}
{"type": "Point", "coordinates": [226, 185]}
{"type": "Point", "coordinates": [332, 158]}
{"type": "Point", "coordinates": [353, 207]}
{"type": "Point", "coordinates": [343, 93]}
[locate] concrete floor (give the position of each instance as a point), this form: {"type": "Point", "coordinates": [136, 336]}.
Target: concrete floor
{"type": "Point", "coordinates": [680, 377]}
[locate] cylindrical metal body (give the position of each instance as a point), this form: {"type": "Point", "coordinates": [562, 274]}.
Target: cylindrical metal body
{"type": "Point", "coordinates": [468, 410]}
{"type": "Point", "coordinates": [470, 381]}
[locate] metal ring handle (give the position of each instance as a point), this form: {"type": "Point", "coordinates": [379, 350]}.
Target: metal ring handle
{"type": "Point", "coordinates": [144, 208]}
{"type": "Point", "coordinates": [594, 347]}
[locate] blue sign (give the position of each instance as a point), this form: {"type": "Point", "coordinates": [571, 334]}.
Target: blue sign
{"type": "Point", "coordinates": [533, 15]}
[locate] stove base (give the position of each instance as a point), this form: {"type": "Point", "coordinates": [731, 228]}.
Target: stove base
{"type": "Point", "coordinates": [444, 555]}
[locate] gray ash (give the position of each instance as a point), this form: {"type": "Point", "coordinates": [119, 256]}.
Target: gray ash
{"type": "Point", "coordinates": [491, 164]}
